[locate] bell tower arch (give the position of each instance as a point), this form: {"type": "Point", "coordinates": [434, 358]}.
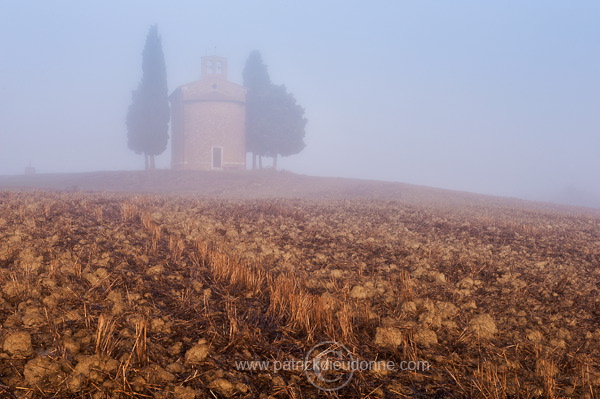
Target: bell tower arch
{"type": "Point", "coordinates": [213, 66]}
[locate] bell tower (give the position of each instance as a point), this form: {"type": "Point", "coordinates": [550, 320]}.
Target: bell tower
{"type": "Point", "coordinates": [213, 66]}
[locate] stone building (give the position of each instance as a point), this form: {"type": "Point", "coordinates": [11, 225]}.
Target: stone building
{"type": "Point", "coordinates": [208, 121]}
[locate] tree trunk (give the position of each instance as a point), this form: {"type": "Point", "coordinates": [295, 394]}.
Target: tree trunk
{"type": "Point", "coordinates": [260, 162]}
{"type": "Point", "coordinates": [146, 164]}
{"type": "Point", "coordinates": [275, 162]}
{"type": "Point", "coordinates": [152, 167]}
{"type": "Point", "coordinates": [253, 161]}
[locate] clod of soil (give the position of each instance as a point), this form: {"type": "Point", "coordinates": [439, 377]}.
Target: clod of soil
{"type": "Point", "coordinates": [18, 343]}
{"type": "Point", "coordinates": [483, 326]}
{"type": "Point", "coordinates": [388, 337]}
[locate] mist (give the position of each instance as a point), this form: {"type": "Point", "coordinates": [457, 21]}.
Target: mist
{"type": "Point", "coordinates": [497, 98]}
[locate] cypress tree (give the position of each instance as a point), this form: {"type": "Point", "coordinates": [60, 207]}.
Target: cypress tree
{"type": "Point", "coordinates": [275, 123]}
{"type": "Point", "coordinates": [257, 82]}
{"type": "Point", "coordinates": [148, 115]}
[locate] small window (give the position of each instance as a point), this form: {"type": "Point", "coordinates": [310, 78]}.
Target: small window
{"type": "Point", "coordinates": [209, 67]}
{"type": "Point", "coordinates": [217, 157]}
{"type": "Point", "coordinates": [218, 67]}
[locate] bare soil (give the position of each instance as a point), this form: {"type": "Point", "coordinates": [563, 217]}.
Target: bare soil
{"type": "Point", "coordinates": [135, 284]}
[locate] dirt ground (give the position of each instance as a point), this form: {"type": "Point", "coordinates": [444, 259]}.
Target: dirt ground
{"type": "Point", "coordinates": [172, 284]}
{"type": "Point", "coordinates": [236, 185]}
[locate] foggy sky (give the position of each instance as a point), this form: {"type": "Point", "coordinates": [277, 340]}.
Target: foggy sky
{"type": "Point", "coordinates": [495, 97]}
